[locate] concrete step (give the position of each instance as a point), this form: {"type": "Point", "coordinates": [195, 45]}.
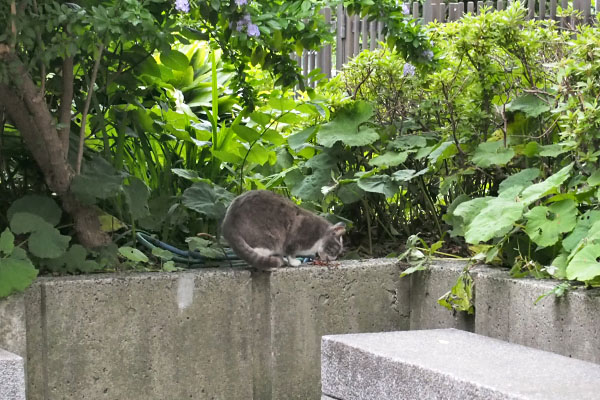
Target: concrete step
{"type": "Point", "coordinates": [12, 376]}
{"type": "Point", "coordinates": [448, 364]}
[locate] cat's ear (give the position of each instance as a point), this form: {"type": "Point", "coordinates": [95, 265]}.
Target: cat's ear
{"type": "Point", "coordinates": [338, 229]}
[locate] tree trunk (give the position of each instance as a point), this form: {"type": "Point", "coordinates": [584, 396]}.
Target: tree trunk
{"type": "Point", "coordinates": [26, 107]}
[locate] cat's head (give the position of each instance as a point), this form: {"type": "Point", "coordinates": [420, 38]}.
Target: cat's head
{"type": "Point", "coordinates": [331, 244]}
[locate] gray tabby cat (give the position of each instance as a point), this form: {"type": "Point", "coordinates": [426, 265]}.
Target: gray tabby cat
{"type": "Point", "coordinates": [264, 228]}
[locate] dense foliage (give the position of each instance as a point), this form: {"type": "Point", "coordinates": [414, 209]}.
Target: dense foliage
{"type": "Point", "coordinates": [479, 136]}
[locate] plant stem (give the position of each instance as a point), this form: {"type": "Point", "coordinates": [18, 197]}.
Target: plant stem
{"type": "Point", "coordinates": [86, 108]}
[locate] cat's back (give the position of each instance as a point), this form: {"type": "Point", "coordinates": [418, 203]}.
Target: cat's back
{"type": "Point", "coordinates": [257, 201]}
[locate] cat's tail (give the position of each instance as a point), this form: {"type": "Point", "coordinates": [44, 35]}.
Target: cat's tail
{"type": "Point", "coordinates": [249, 254]}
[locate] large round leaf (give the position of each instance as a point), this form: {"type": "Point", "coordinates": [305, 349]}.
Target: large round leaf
{"type": "Point", "coordinates": [379, 184]}
{"type": "Point", "coordinates": [42, 206]}
{"type": "Point", "coordinates": [389, 159]}
{"type": "Point", "coordinates": [545, 224]}
{"type": "Point", "coordinates": [47, 242]}
{"type": "Point", "coordinates": [584, 266]}
{"type": "Point", "coordinates": [492, 153]}
{"type": "Point", "coordinates": [496, 219]}
{"type": "Point", "coordinates": [541, 189]}
{"type": "Point", "coordinates": [15, 275]}
{"type": "Point", "coordinates": [175, 60]}
{"type": "Point", "coordinates": [581, 230]}
{"type": "Point", "coordinates": [207, 200]}
{"type": "Point", "coordinates": [345, 127]}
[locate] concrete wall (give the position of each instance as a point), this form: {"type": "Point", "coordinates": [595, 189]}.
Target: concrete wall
{"type": "Point", "coordinates": [240, 334]}
{"type": "Point", "coordinates": [203, 334]}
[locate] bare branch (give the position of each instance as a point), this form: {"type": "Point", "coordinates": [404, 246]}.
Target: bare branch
{"type": "Point", "coordinates": [86, 108]}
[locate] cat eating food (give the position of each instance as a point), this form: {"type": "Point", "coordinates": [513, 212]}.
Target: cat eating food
{"type": "Point", "coordinates": [266, 230]}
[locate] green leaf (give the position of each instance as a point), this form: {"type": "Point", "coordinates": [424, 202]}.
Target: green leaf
{"type": "Point", "coordinates": [379, 184]}
{"type": "Point", "coordinates": [469, 209]}
{"type": "Point", "coordinates": [585, 266]}
{"type": "Point", "coordinates": [545, 224]}
{"type": "Point", "coordinates": [99, 181]}
{"type": "Point", "coordinates": [519, 181]}
{"type": "Point", "coordinates": [189, 174]}
{"type": "Point", "coordinates": [208, 200]}
{"type": "Point", "coordinates": [47, 242]}
{"type": "Point", "coordinates": [133, 254]}
{"type": "Point", "coordinates": [442, 152]}
{"type": "Point", "coordinates": [460, 297]}
{"type": "Point", "coordinates": [24, 222]}
{"type": "Point", "coordinates": [7, 242]}
{"type": "Point", "coordinates": [389, 159]}
{"type": "Point", "coordinates": [541, 189]}
{"type": "Point", "coordinates": [297, 141]}
{"type": "Point", "coordinates": [246, 133]}
{"type": "Point", "coordinates": [552, 150]}
{"type": "Point", "coordinates": [408, 142]}
{"type": "Point", "coordinates": [413, 269]}
{"type": "Point", "coordinates": [494, 220]}
{"type": "Point", "coordinates": [594, 179]}
{"type": "Point", "coordinates": [345, 127]}
{"type": "Point", "coordinates": [350, 193]}
{"type": "Point", "coordinates": [529, 104]}
{"type": "Point", "coordinates": [405, 175]}
{"type": "Point", "coordinates": [163, 254]}
{"type": "Point", "coordinates": [15, 275]}
{"type": "Point", "coordinates": [581, 230]}
{"type": "Point", "coordinates": [175, 59]}
{"type": "Point", "coordinates": [42, 206]}
{"type": "Point", "coordinates": [309, 188]}
{"type": "Point", "coordinates": [136, 196]}
{"type": "Point", "coordinates": [492, 153]}
{"type": "Point", "coordinates": [203, 247]}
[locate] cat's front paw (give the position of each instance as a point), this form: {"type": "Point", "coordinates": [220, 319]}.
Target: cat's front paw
{"type": "Point", "coordinates": [293, 262]}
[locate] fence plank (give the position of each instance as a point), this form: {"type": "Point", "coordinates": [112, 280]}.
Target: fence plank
{"type": "Point", "coordinates": [355, 35]}
{"type": "Point", "coordinates": [553, 10]}
{"type": "Point", "coordinates": [348, 39]}
{"type": "Point", "coordinates": [364, 27]}
{"type": "Point", "coordinates": [471, 7]}
{"type": "Point", "coordinates": [500, 5]}
{"type": "Point", "coordinates": [531, 9]}
{"type": "Point", "coordinates": [415, 10]}
{"type": "Point", "coordinates": [542, 10]}
{"type": "Point", "coordinates": [325, 63]}
{"type": "Point", "coordinates": [373, 35]}
{"type": "Point", "coordinates": [564, 20]}
{"type": "Point", "coordinates": [339, 38]}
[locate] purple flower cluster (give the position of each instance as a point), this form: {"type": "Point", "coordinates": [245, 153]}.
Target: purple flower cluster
{"type": "Point", "coordinates": [240, 3]}
{"type": "Point", "coordinates": [408, 69]}
{"type": "Point", "coordinates": [246, 22]}
{"type": "Point", "coordinates": [405, 9]}
{"type": "Point", "coordinates": [182, 6]}
{"type": "Point", "coordinates": [428, 55]}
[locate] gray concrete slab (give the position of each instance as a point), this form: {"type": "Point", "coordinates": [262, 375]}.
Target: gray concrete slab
{"type": "Point", "coordinates": [426, 288]}
{"type": "Point", "coordinates": [449, 364]}
{"type": "Point", "coordinates": [12, 376]}
{"type": "Point", "coordinates": [311, 301]}
{"type": "Point", "coordinates": [148, 336]}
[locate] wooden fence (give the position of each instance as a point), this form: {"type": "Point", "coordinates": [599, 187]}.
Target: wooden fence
{"type": "Point", "coordinates": [354, 34]}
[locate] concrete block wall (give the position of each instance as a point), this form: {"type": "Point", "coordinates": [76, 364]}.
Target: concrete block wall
{"type": "Point", "coordinates": [203, 334]}
{"type": "Point", "coordinates": [241, 334]}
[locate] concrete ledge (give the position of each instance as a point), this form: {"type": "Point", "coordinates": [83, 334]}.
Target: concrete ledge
{"type": "Point", "coordinates": [449, 364]}
{"type": "Point", "coordinates": [244, 334]}
{"type": "Point", "coordinates": [12, 376]}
